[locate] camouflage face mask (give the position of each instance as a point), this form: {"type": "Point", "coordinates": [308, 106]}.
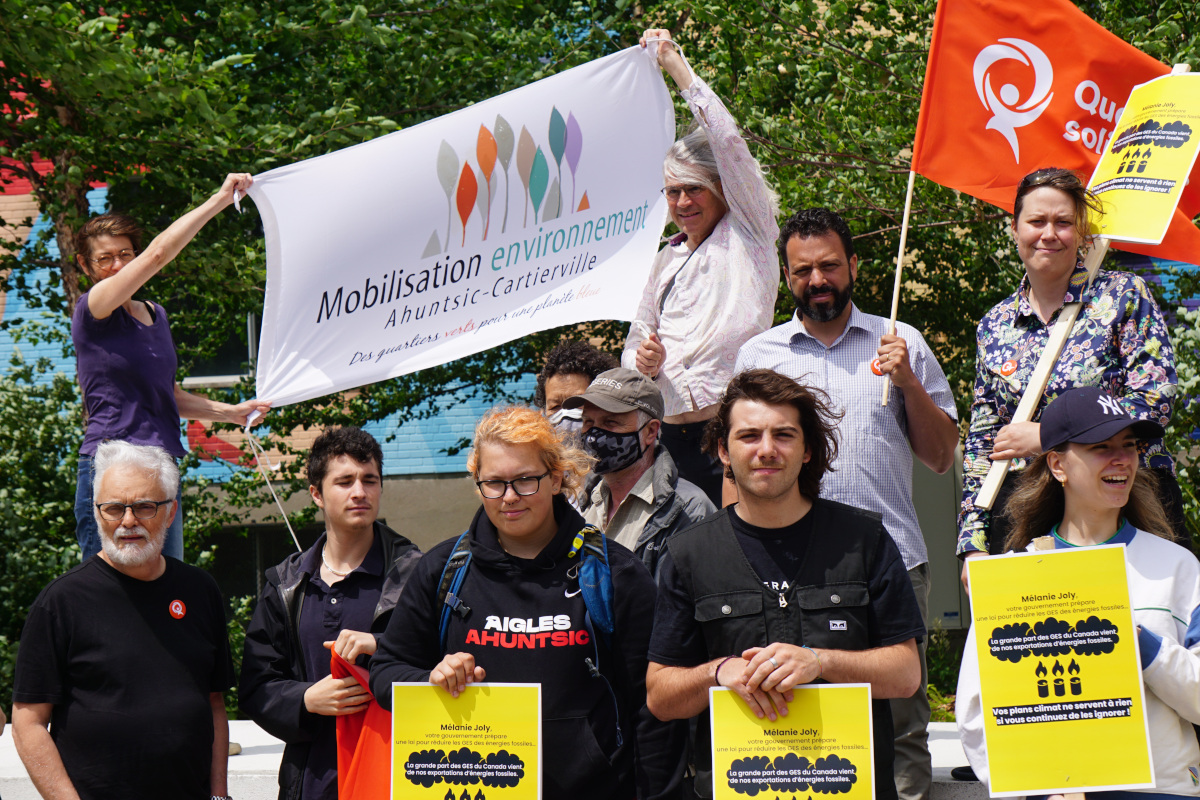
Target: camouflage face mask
{"type": "Point", "coordinates": [613, 451]}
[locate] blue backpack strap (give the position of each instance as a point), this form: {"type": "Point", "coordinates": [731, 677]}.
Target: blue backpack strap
{"type": "Point", "coordinates": [595, 579]}
{"type": "Point", "coordinates": [449, 585]}
{"type": "Point", "coordinates": [595, 584]}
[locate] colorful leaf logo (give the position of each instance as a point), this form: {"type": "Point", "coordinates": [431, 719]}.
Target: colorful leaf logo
{"type": "Point", "coordinates": [558, 144]}
{"type": "Point", "coordinates": [485, 154]}
{"type": "Point", "coordinates": [574, 150]}
{"type": "Point", "coordinates": [503, 133]}
{"type": "Point", "coordinates": [553, 202]}
{"type": "Point", "coordinates": [526, 150]}
{"type": "Point", "coordinates": [467, 189]}
{"type": "Point", "coordinates": [539, 176]}
{"type": "Point", "coordinates": [447, 170]}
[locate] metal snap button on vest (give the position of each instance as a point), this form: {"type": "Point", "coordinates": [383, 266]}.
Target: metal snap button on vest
{"type": "Point", "coordinates": [726, 610]}
{"type": "Point", "coordinates": [835, 598]}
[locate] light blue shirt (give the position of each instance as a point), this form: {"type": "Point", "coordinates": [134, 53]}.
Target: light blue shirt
{"type": "Point", "coordinates": [873, 469]}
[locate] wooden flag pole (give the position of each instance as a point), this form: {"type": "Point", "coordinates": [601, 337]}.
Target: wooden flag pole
{"type": "Point", "coordinates": [912, 176]}
{"type": "Point", "coordinates": [1041, 373]}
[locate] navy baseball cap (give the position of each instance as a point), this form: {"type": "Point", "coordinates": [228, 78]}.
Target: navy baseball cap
{"type": "Point", "coordinates": [1088, 415]}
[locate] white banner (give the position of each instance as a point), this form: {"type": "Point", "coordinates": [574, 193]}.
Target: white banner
{"type": "Point", "coordinates": [537, 208]}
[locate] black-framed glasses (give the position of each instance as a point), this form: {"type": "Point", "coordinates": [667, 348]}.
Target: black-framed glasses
{"type": "Point", "coordinates": [107, 260]}
{"type": "Point", "coordinates": [673, 192]}
{"type": "Point", "coordinates": [143, 509]}
{"type": "Point", "coordinates": [524, 486]}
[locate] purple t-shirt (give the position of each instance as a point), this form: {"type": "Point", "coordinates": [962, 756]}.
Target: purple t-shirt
{"type": "Point", "coordinates": [127, 373]}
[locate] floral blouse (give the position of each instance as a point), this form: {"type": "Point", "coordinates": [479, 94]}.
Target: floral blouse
{"type": "Point", "coordinates": [1119, 343]}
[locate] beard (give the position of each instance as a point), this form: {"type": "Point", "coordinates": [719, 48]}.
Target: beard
{"type": "Point", "coordinates": [829, 312]}
{"type": "Point", "coordinates": [131, 554]}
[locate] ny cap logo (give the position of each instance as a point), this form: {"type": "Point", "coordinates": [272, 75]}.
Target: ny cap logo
{"type": "Point", "coordinates": [1009, 111]}
{"type": "Point", "coordinates": [1110, 406]}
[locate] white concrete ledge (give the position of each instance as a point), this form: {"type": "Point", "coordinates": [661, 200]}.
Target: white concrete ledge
{"type": "Point", "coordinates": [253, 773]}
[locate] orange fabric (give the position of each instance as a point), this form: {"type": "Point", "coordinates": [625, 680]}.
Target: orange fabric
{"type": "Point", "coordinates": [1014, 87]}
{"type": "Point", "coordinates": [364, 752]}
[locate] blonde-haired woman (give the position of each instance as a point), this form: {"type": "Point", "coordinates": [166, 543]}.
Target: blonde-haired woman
{"type": "Point", "coordinates": [520, 617]}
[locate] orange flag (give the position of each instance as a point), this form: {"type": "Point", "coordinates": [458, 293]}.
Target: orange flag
{"type": "Point", "coordinates": [1014, 87]}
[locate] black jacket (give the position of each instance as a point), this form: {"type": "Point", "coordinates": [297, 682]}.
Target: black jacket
{"type": "Point", "coordinates": [579, 729]}
{"type": "Point", "coordinates": [678, 504]}
{"type": "Point", "coordinates": [274, 677]}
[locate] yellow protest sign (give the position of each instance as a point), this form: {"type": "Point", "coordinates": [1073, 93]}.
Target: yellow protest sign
{"type": "Point", "coordinates": [1142, 172]}
{"type": "Point", "coordinates": [823, 745]}
{"type": "Point", "coordinates": [1060, 680]}
{"type": "Point", "coordinates": [482, 745]}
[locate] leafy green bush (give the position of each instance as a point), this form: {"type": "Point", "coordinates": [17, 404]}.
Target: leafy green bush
{"type": "Point", "coordinates": [40, 433]}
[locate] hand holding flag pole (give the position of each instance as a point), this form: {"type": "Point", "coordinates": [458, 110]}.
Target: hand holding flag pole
{"type": "Point", "coordinates": [912, 176]}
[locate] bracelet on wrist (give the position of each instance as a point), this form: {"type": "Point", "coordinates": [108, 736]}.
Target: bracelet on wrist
{"type": "Point", "coordinates": [820, 666]}
{"type": "Point", "coordinates": [717, 671]}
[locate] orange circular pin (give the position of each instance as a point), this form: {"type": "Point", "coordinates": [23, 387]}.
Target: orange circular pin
{"type": "Point", "coordinates": [178, 609]}
{"type": "Point", "coordinates": [1008, 367]}
{"type": "Point", "coordinates": [875, 367]}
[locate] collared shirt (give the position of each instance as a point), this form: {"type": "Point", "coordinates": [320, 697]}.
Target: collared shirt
{"type": "Point", "coordinates": [873, 469]}
{"type": "Point", "coordinates": [327, 610]}
{"type": "Point", "coordinates": [704, 304]}
{"type": "Point", "coordinates": [1119, 343]}
{"type": "Point", "coordinates": [634, 512]}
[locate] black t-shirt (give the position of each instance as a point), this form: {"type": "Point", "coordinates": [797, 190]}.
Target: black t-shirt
{"type": "Point", "coordinates": [775, 555]}
{"type": "Point", "coordinates": [128, 666]}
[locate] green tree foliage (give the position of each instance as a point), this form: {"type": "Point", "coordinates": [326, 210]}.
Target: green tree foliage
{"type": "Point", "coordinates": [38, 443]}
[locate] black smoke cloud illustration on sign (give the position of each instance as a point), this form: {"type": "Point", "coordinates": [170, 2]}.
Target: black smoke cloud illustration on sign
{"type": "Point", "coordinates": [1053, 637]}
{"type": "Point", "coordinates": [1008, 643]}
{"type": "Point", "coordinates": [1099, 636]}
{"type": "Point", "coordinates": [749, 775]}
{"type": "Point", "coordinates": [1053, 629]}
{"type": "Point", "coordinates": [1173, 134]}
{"type": "Point", "coordinates": [791, 773]}
{"type": "Point", "coordinates": [837, 775]}
{"type": "Point", "coordinates": [420, 767]}
{"type": "Point", "coordinates": [789, 770]}
{"type": "Point", "coordinates": [464, 767]}
{"type": "Point", "coordinates": [506, 769]}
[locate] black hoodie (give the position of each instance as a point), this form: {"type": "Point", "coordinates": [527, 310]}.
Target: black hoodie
{"type": "Point", "coordinates": [526, 625]}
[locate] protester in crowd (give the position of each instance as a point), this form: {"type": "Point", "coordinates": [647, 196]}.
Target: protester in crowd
{"type": "Point", "coordinates": [125, 355]}
{"type": "Point", "coordinates": [1119, 343]}
{"type": "Point", "coordinates": [125, 658]}
{"type": "Point", "coordinates": [713, 286]}
{"type": "Point", "coordinates": [338, 595]}
{"type": "Point", "coordinates": [1085, 488]}
{"type": "Point", "coordinates": [569, 369]}
{"type": "Point", "coordinates": [596, 731]}
{"type": "Point", "coordinates": [831, 345]}
{"type": "Point", "coordinates": [813, 560]}
{"type": "Point", "coordinates": [634, 494]}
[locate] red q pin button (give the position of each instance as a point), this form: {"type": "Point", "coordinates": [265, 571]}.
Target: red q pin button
{"type": "Point", "coordinates": [875, 367]}
{"type": "Point", "coordinates": [1008, 367]}
{"type": "Point", "coordinates": [178, 609]}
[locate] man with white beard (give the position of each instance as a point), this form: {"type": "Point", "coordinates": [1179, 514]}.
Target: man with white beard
{"type": "Point", "coordinates": [123, 660]}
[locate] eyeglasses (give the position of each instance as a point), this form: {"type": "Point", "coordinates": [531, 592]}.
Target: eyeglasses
{"type": "Point", "coordinates": [673, 192]}
{"type": "Point", "coordinates": [143, 509]}
{"type": "Point", "coordinates": [524, 486]}
{"type": "Point", "coordinates": [105, 261]}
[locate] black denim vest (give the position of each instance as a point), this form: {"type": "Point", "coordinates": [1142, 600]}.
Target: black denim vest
{"type": "Point", "coordinates": [825, 605]}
